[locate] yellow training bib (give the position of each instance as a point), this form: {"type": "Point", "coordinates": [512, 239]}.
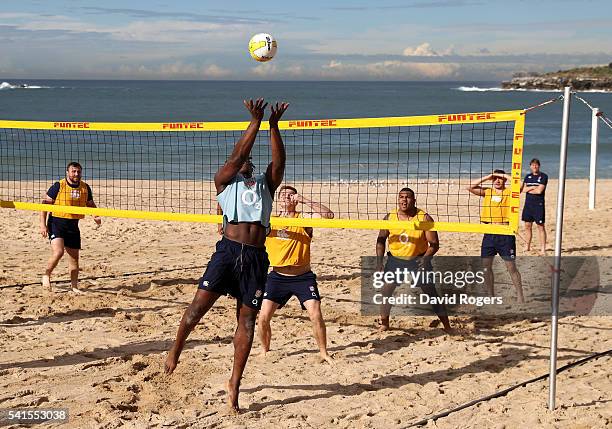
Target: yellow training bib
{"type": "Point", "coordinates": [496, 206]}
{"type": "Point", "coordinates": [289, 246]}
{"type": "Point", "coordinates": [405, 243]}
{"type": "Point", "coordinates": [69, 196]}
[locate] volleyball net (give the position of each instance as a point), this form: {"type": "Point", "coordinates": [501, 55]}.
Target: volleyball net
{"type": "Point", "coordinates": [356, 167]}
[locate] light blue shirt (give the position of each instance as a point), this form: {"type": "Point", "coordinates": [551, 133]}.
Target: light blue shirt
{"type": "Point", "coordinates": [246, 200]}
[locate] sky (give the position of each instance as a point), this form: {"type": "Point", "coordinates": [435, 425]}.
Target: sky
{"type": "Point", "coordinates": [449, 40]}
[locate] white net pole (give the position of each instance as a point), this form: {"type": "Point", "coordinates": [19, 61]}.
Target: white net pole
{"type": "Point", "coordinates": [552, 382]}
{"type": "Point", "coordinates": [593, 172]}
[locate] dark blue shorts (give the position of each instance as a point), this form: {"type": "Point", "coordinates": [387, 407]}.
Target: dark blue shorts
{"type": "Point", "coordinates": [68, 229]}
{"type": "Point", "coordinates": [238, 270]}
{"type": "Point", "coordinates": [497, 244]}
{"type": "Point", "coordinates": [394, 263]}
{"type": "Point", "coordinates": [280, 288]}
{"type": "Point", "coordinates": [534, 212]}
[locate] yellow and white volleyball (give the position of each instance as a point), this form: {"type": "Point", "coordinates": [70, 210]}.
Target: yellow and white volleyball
{"type": "Point", "coordinates": [262, 47]}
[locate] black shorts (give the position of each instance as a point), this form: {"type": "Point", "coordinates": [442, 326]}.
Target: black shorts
{"type": "Point", "coordinates": [238, 270]}
{"type": "Point", "coordinates": [534, 212]}
{"type": "Point", "coordinates": [280, 288]}
{"type": "Point", "coordinates": [497, 244]}
{"type": "Point", "coordinates": [68, 229]}
{"type": "Point", "coordinates": [394, 263]}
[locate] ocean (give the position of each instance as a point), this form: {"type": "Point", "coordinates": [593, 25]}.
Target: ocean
{"type": "Point", "coordinates": [177, 101]}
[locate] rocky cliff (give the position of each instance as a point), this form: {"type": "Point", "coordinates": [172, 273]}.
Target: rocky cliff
{"type": "Point", "coordinates": [580, 79]}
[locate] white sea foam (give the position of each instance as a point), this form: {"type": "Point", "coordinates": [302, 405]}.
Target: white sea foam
{"type": "Point", "coordinates": [497, 89]}
{"type": "Point", "coordinates": [7, 85]}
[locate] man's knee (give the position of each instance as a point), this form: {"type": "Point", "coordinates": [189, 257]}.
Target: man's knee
{"type": "Point", "coordinates": [58, 252]}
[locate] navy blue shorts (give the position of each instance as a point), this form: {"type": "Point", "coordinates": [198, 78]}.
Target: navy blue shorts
{"type": "Point", "coordinates": [394, 263]}
{"type": "Point", "coordinates": [238, 270]}
{"type": "Point", "coordinates": [68, 229]}
{"type": "Point", "coordinates": [534, 212]}
{"type": "Point", "coordinates": [497, 244]}
{"type": "Point", "coordinates": [280, 288]}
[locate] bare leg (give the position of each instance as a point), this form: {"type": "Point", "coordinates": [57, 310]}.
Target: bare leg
{"type": "Point", "coordinates": [243, 340]}
{"type": "Point", "coordinates": [268, 308]}
{"type": "Point", "coordinates": [57, 251]}
{"type": "Point", "coordinates": [318, 327]}
{"type": "Point", "coordinates": [202, 302]}
{"type": "Point", "coordinates": [542, 236]}
{"type": "Point", "coordinates": [528, 235]}
{"type": "Point", "coordinates": [73, 266]}
{"type": "Point", "coordinates": [516, 280]}
{"type": "Point", "coordinates": [385, 309]}
{"type": "Point", "coordinates": [489, 278]}
{"type": "Point", "coordinates": [439, 309]}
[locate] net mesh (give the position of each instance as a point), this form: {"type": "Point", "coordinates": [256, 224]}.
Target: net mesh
{"type": "Point", "coordinates": [357, 172]}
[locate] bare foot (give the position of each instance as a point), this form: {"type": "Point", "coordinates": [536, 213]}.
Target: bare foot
{"type": "Point", "coordinates": [383, 325]}
{"type": "Point", "coordinates": [171, 362]}
{"type": "Point", "coordinates": [78, 291]}
{"type": "Point", "coordinates": [326, 358]}
{"type": "Point", "coordinates": [232, 398]}
{"type": "Point", "coordinates": [46, 283]}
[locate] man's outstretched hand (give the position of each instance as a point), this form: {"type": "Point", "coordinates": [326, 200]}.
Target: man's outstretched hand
{"type": "Point", "coordinates": [256, 108]}
{"type": "Point", "coordinates": [277, 112]}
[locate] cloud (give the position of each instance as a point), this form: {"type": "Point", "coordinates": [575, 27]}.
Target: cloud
{"type": "Point", "coordinates": [176, 70]}
{"type": "Point", "coordinates": [413, 5]}
{"type": "Point", "coordinates": [390, 69]}
{"type": "Point", "coordinates": [184, 16]}
{"type": "Point", "coordinates": [425, 50]}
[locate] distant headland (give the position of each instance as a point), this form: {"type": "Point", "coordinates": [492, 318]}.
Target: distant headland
{"type": "Point", "coordinates": [581, 79]}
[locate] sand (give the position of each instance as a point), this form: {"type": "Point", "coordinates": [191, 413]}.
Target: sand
{"type": "Point", "coordinates": [101, 354]}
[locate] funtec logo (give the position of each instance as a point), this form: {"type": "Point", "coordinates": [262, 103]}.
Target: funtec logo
{"type": "Point", "coordinates": [71, 125]}
{"type": "Point", "coordinates": [182, 125]}
{"type": "Point", "coordinates": [313, 124]}
{"type": "Point", "coordinates": [464, 117]}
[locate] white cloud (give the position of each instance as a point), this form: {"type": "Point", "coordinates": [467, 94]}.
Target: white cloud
{"type": "Point", "coordinates": [423, 50]}
{"type": "Point", "coordinates": [177, 70]}
{"type": "Point", "coordinates": [391, 69]}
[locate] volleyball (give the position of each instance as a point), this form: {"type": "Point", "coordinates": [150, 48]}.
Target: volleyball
{"type": "Point", "coordinates": [262, 47]}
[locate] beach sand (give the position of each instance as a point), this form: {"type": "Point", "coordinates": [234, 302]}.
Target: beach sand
{"type": "Point", "coordinates": [101, 354]}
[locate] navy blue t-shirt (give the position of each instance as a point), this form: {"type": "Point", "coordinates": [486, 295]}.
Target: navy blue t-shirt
{"type": "Point", "coordinates": [533, 181]}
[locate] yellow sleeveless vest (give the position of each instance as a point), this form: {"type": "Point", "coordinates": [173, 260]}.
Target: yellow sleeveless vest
{"type": "Point", "coordinates": [495, 207]}
{"type": "Point", "coordinates": [69, 196]}
{"type": "Point", "coordinates": [406, 243]}
{"type": "Point", "coordinates": [289, 246]}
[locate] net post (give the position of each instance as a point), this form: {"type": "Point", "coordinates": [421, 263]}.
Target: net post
{"type": "Point", "coordinates": [517, 166]}
{"type": "Point", "coordinates": [552, 378]}
{"type": "Point", "coordinates": [593, 166]}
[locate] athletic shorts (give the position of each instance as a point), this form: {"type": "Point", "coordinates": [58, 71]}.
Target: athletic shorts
{"type": "Point", "coordinates": [394, 263]}
{"type": "Point", "coordinates": [497, 244]}
{"type": "Point", "coordinates": [280, 288]}
{"type": "Point", "coordinates": [238, 270]}
{"type": "Point", "coordinates": [68, 229]}
{"type": "Point", "coordinates": [534, 212]}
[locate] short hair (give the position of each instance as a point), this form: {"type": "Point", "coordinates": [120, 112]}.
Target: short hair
{"type": "Point", "coordinates": [291, 188]}
{"type": "Point", "coordinates": [406, 189]}
{"type": "Point", "coordinates": [534, 161]}
{"type": "Point", "coordinates": [73, 164]}
{"type": "Point", "coordinates": [498, 171]}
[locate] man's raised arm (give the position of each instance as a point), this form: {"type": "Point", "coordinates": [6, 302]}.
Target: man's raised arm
{"type": "Point", "coordinates": [276, 168]}
{"type": "Point", "coordinates": [243, 146]}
